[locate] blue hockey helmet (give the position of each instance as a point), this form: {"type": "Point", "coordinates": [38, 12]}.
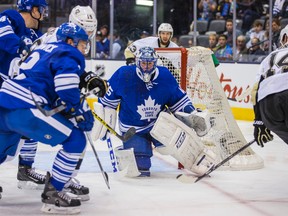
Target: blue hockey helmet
{"type": "Point", "coordinates": [146, 62]}
{"type": "Point", "coordinates": [27, 5]}
{"type": "Point", "coordinates": [72, 31]}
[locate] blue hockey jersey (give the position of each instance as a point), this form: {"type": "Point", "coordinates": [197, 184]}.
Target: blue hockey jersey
{"type": "Point", "coordinates": [51, 71]}
{"type": "Point", "coordinates": [140, 102]}
{"type": "Point", "coordinates": [12, 28]}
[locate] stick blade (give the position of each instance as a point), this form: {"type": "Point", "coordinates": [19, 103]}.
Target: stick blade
{"type": "Point", "coordinates": [129, 134]}
{"type": "Point", "coordinates": [187, 179]}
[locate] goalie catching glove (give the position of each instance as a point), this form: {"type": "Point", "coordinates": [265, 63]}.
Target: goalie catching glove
{"type": "Point", "coordinates": [93, 84]}
{"type": "Point", "coordinates": [198, 120]}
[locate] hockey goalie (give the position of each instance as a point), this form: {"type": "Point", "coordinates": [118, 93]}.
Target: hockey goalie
{"type": "Point", "coordinates": [180, 139]}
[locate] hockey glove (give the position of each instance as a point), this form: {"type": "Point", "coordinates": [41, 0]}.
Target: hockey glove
{"type": "Point", "coordinates": [93, 84]}
{"type": "Point", "coordinates": [130, 61]}
{"type": "Point", "coordinates": [24, 46]}
{"type": "Point", "coordinates": [261, 133]}
{"type": "Point", "coordinates": [84, 116]}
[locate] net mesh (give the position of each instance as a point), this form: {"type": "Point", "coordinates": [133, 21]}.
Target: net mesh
{"type": "Point", "coordinates": [195, 72]}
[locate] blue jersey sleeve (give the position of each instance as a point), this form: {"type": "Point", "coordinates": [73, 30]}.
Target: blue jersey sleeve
{"type": "Point", "coordinates": [112, 98]}
{"type": "Point", "coordinates": [68, 67]}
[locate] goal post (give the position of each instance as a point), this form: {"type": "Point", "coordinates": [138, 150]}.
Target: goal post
{"type": "Point", "coordinates": [196, 74]}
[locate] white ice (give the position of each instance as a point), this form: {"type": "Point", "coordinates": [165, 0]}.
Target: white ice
{"type": "Point", "coordinates": [262, 192]}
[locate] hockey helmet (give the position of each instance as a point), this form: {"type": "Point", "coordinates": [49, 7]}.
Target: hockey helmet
{"type": "Point", "coordinates": [73, 31]}
{"type": "Point", "coordinates": [146, 62]}
{"type": "Point", "coordinates": [283, 32]}
{"type": "Point", "coordinates": [84, 17]}
{"type": "Point", "coordinates": [27, 5]}
{"type": "Point", "coordinates": [165, 27]}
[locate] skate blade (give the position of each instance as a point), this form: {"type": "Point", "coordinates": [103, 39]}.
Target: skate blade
{"type": "Point", "coordinates": [84, 197]}
{"type": "Point", "coordinates": [28, 185]}
{"type": "Point", "coordinates": [52, 209]}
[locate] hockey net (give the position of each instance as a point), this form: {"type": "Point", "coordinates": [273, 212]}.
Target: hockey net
{"type": "Point", "coordinates": [195, 72]}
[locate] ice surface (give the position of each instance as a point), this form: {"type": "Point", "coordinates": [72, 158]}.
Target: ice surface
{"type": "Point", "coordinates": [261, 192]}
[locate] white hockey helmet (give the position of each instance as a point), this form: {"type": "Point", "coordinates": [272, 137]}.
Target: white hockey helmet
{"type": "Point", "coordinates": [84, 17]}
{"type": "Point", "coordinates": [165, 27]}
{"type": "Point", "coordinates": [283, 32]}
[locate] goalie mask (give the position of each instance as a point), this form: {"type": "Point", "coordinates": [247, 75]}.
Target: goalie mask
{"type": "Point", "coordinates": [284, 37]}
{"type": "Point", "coordinates": [146, 62]}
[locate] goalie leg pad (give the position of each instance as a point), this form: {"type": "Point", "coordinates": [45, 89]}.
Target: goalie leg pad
{"type": "Point", "coordinates": [108, 115]}
{"type": "Point", "coordinates": [204, 161]}
{"type": "Point", "coordinates": [126, 161]}
{"type": "Point", "coordinates": [182, 142]}
{"type": "Point", "coordinates": [141, 143]}
{"type": "Point", "coordinates": [199, 121]}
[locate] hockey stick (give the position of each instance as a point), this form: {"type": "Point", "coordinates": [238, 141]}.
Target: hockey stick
{"type": "Point", "coordinates": [111, 154]}
{"type": "Point", "coordinates": [126, 136]}
{"type": "Point", "coordinates": [193, 179]}
{"type": "Point", "coordinates": [105, 175]}
{"type": "Point", "coordinates": [243, 95]}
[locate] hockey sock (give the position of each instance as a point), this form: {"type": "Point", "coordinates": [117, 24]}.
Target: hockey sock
{"type": "Point", "coordinates": [63, 167]}
{"type": "Point", "coordinates": [28, 152]}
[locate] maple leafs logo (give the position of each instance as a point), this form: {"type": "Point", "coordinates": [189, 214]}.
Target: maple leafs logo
{"type": "Point", "coordinates": [149, 109]}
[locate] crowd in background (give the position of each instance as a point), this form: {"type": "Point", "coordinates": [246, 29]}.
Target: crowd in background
{"type": "Point", "coordinates": [252, 28]}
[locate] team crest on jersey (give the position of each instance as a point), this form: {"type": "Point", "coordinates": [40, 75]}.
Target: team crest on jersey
{"type": "Point", "coordinates": [132, 48]}
{"type": "Point", "coordinates": [149, 109]}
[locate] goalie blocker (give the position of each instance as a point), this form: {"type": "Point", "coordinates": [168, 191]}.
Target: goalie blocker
{"type": "Point", "coordinates": [182, 143]}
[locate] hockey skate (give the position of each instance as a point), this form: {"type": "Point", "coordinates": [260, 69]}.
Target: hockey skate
{"type": "Point", "coordinates": [74, 187]}
{"type": "Point", "coordinates": [29, 179]}
{"type": "Point", "coordinates": [58, 202]}
{"type": "Point", "coordinates": [1, 190]}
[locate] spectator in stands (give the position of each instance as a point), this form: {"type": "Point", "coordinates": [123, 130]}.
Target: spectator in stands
{"type": "Point", "coordinates": [144, 34]}
{"type": "Point", "coordinates": [256, 54]}
{"type": "Point", "coordinates": [225, 9]}
{"type": "Point", "coordinates": [104, 29]}
{"type": "Point", "coordinates": [249, 13]}
{"type": "Point", "coordinates": [102, 46]}
{"type": "Point", "coordinates": [229, 32]}
{"type": "Point", "coordinates": [257, 31]}
{"type": "Point", "coordinates": [213, 41]}
{"type": "Point", "coordinates": [276, 29]}
{"type": "Point", "coordinates": [223, 50]}
{"type": "Point", "coordinates": [207, 9]}
{"type": "Point", "coordinates": [175, 39]}
{"type": "Point", "coordinates": [241, 50]}
{"type": "Point", "coordinates": [280, 9]}
{"type": "Point", "coordinates": [118, 46]}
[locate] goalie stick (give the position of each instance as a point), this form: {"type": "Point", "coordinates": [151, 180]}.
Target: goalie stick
{"type": "Point", "coordinates": [104, 174]}
{"type": "Point", "coordinates": [193, 179]}
{"type": "Point", "coordinates": [125, 137]}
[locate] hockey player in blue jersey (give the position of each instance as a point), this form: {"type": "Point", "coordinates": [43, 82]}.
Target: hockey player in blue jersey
{"type": "Point", "coordinates": [142, 92]}
{"type": "Point", "coordinates": [53, 71]}
{"type": "Point", "coordinates": [27, 176]}
{"type": "Point", "coordinates": [20, 28]}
